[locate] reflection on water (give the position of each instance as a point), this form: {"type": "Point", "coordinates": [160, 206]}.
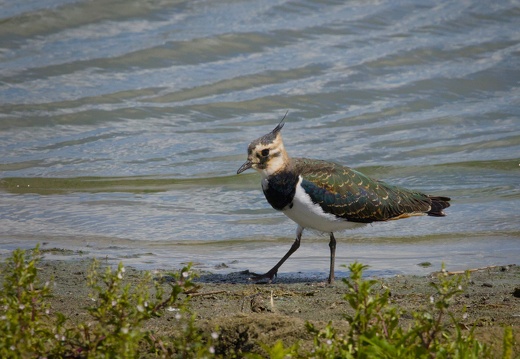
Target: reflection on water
{"type": "Point", "coordinates": [122, 125]}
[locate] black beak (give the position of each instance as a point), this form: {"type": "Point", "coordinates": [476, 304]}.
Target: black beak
{"type": "Point", "coordinates": [245, 166]}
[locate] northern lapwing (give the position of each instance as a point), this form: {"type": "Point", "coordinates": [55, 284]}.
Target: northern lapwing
{"type": "Point", "coordinates": [326, 196]}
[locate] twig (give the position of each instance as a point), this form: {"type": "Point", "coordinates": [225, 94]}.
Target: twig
{"type": "Point", "coordinates": [207, 293]}
{"type": "Point", "coordinates": [470, 270]}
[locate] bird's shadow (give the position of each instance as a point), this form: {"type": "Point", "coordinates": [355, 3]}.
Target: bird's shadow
{"type": "Point", "coordinates": [247, 277]}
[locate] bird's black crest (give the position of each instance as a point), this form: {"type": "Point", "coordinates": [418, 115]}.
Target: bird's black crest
{"type": "Point", "coordinates": [280, 125]}
{"type": "Point", "coordinates": [269, 138]}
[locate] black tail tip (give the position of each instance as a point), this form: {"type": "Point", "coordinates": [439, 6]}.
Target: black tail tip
{"type": "Point", "coordinates": [438, 203]}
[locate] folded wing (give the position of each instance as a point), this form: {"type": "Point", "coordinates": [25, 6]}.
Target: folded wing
{"type": "Point", "coordinates": [353, 196]}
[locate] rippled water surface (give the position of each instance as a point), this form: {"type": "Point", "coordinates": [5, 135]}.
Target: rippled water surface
{"type": "Point", "coordinates": [122, 125]}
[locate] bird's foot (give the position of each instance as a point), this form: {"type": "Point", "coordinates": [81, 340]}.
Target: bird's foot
{"type": "Point", "coordinates": [264, 278]}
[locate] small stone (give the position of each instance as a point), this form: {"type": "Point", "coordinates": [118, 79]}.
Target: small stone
{"type": "Point", "coordinates": [257, 304]}
{"type": "Point", "coordinates": [424, 264]}
{"type": "Point", "coordinates": [516, 292]}
{"type": "Point", "coordinates": [488, 285]}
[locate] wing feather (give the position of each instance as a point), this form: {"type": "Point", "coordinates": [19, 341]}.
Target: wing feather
{"type": "Point", "coordinates": [351, 195]}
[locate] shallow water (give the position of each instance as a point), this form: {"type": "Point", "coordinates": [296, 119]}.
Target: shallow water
{"type": "Point", "coordinates": [122, 125]}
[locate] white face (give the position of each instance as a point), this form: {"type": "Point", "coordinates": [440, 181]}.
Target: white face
{"type": "Point", "coordinates": [267, 158]}
{"type": "Point", "coordinates": [266, 154]}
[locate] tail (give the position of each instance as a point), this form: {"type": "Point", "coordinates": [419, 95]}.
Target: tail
{"type": "Point", "coordinates": [437, 205]}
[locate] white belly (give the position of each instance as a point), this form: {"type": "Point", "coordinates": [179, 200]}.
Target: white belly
{"type": "Point", "coordinates": [310, 215]}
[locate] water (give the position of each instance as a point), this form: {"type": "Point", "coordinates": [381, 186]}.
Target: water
{"type": "Point", "coordinates": [122, 125]}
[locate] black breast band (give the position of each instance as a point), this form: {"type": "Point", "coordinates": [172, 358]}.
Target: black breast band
{"type": "Point", "coordinates": [280, 189]}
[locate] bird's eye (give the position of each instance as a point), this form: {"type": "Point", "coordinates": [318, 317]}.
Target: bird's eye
{"type": "Point", "coordinates": [265, 152]}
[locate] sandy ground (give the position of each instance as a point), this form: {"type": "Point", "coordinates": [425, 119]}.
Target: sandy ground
{"type": "Point", "coordinates": [248, 313]}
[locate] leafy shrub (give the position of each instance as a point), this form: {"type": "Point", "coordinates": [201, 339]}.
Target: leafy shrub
{"type": "Point", "coordinates": [117, 316]}
{"type": "Point", "coordinates": [24, 313]}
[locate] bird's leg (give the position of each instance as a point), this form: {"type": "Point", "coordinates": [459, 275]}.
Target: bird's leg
{"type": "Point", "coordinates": [332, 246]}
{"type": "Point", "coordinates": [274, 271]}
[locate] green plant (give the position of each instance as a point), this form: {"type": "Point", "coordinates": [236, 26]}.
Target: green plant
{"type": "Point", "coordinates": [116, 316]}
{"type": "Point", "coordinates": [438, 330]}
{"type": "Point", "coordinates": [373, 321]}
{"type": "Point", "coordinates": [24, 313]}
{"type": "Point", "coordinates": [119, 312]}
{"type": "Point", "coordinates": [276, 351]}
{"type": "Point", "coordinates": [374, 329]}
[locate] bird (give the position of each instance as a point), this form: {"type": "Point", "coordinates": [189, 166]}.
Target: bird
{"type": "Point", "coordinates": [326, 196]}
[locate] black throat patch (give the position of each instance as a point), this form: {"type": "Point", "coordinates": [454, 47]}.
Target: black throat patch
{"type": "Point", "coordinates": [280, 188]}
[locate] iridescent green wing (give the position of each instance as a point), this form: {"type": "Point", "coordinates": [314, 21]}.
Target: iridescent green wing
{"type": "Point", "coordinates": [350, 194]}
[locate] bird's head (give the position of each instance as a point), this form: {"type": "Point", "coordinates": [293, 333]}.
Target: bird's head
{"type": "Point", "coordinates": [267, 154]}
